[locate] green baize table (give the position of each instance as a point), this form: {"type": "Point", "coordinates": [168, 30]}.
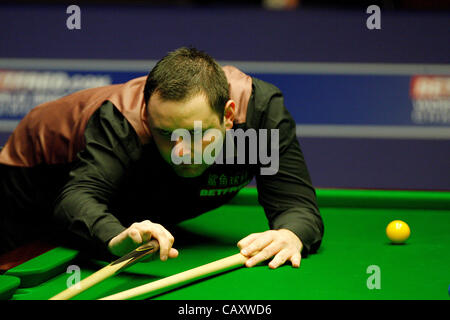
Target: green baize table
{"type": "Point", "coordinates": [355, 261]}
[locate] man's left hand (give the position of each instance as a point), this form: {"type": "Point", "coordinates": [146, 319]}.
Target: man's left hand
{"type": "Point", "coordinates": [281, 244]}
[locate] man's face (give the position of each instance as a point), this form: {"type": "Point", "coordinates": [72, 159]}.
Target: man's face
{"type": "Point", "coordinates": [167, 116]}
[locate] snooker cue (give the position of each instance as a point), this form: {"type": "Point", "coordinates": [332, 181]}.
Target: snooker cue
{"type": "Point", "coordinates": [181, 278]}
{"type": "Point", "coordinates": [109, 270]}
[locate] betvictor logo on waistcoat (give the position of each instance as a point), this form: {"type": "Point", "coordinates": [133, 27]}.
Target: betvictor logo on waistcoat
{"type": "Point", "coordinates": [223, 184]}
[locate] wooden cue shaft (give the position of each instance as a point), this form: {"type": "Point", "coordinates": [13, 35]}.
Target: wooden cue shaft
{"type": "Point", "coordinates": [179, 278]}
{"type": "Point", "coordinates": [108, 271]}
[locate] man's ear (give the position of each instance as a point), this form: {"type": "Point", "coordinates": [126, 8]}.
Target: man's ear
{"type": "Point", "coordinates": [229, 113]}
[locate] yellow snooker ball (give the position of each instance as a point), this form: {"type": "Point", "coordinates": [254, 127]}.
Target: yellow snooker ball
{"type": "Point", "coordinates": [398, 231]}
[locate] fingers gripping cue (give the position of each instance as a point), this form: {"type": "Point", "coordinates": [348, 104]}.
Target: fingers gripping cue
{"type": "Point", "coordinates": [110, 270]}
{"type": "Point", "coordinates": [181, 278]}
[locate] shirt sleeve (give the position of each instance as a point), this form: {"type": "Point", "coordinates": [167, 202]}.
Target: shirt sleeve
{"type": "Point", "coordinates": [288, 197]}
{"type": "Point", "coordinates": [111, 144]}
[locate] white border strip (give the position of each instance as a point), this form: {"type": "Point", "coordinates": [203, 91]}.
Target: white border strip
{"type": "Point", "coordinates": [376, 132]}
{"type": "Point", "coordinates": [246, 66]}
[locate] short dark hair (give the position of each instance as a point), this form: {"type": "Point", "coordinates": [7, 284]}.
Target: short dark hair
{"type": "Point", "coordinates": [186, 72]}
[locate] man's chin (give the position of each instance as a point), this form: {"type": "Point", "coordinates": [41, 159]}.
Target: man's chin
{"type": "Point", "coordinates": [189, 171]}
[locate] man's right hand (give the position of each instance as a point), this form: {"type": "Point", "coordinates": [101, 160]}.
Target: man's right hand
{"type": "Point", "coordinates": [140, 233]}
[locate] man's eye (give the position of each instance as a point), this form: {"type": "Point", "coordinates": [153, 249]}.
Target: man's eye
{"type": "Point", "coordinates": [165, 133]}
{"type": "Point", "coordinates": [196, 131]}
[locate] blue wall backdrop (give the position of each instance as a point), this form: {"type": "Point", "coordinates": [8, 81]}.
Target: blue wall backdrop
{"type": "Point", "coordinates": [372, 106]}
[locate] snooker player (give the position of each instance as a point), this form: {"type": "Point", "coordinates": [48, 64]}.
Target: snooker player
{"type": "Point", "coordinates": [96, 165]}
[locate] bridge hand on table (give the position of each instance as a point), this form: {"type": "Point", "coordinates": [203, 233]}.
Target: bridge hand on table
{"type": "Point", "coordinates": [281, 244]}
